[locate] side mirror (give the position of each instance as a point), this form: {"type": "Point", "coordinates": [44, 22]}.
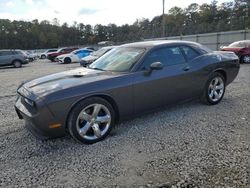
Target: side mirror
{"type": "Point", "coordinates": [154, 66]}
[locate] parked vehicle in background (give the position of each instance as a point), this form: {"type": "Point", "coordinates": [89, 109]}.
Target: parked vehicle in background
{"type": "Point", "coordinates": [44, 54]}
{"type": "Point", "coordinates": [52, 55]}
{"type": "Point", "coordinates": [129, 80]}
{"type": "Point", "coordinates": [13, 57]}
{"type": "Point", "coordinates": [90, 48]}
{"type": "Point", "coordinates": [95, 55]}
{"type": "Point", "coordinates": [31, 55]}
{"type": "Point", "coordinates": [240, 48]}
{"type": "Point", "coordinates": [74, 57]}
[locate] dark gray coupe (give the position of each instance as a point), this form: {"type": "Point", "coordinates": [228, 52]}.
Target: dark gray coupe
{"type": "Point", "coordinates": [127, 81]}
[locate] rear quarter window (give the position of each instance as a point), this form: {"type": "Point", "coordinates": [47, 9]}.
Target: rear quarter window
{"type": "Point", "coordinates": [189, 52]}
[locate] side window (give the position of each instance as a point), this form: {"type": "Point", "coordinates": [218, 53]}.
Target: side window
{"type": "Point", "coordinates": [167, 56]}
{"type": "Point", "coordinates": [189, 53]}
{"type": "Point", "coordinates": [68, 50]}
{"type": "Point", "coordinates": [6, 53]}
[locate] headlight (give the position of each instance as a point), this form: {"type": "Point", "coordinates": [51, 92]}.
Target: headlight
{"type": "Point", "coordinates": [30, 102]}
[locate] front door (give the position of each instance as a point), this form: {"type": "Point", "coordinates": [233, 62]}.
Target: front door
{"type": "Point", "coordinates": [161, 87]}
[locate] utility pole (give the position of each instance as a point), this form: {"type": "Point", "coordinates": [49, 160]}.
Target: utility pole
{"type": "Point", "coordinates": [163, 18]}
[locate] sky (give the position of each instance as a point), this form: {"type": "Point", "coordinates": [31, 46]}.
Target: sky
{"type": "Point", "coordinates": [89, 11]}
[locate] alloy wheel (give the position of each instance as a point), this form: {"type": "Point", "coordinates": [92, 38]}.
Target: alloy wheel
{"type": "Point", "coordinates": [216, 89]}
{"type": "Point", "coordinates": [246, 59]}
{"type": "Point", "coordinates": [93, 121]}
{"type": "Point", "coordinates": [17, 64]}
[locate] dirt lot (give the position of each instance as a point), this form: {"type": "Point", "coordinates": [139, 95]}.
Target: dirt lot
{"type": "Point", "coordinates": [184, 146]}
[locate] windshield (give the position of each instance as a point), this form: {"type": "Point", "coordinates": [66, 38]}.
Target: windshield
{"type": "Point", "coordinates": [51, 50]}
{"type": "Point", "coordinates": [100, 52]}
{"type": "Point", "coordinates": [118, 60]}
{"type": "Point", "coordinates": [76, 51]}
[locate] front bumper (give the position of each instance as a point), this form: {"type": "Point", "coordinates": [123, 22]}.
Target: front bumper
{"type": "Point", "coordinates": [38, 121]}
{"type": "Point", "coordinates": [61, 61]}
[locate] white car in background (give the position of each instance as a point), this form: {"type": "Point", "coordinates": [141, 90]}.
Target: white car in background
{"type": "Point", "coordinates": [74, 57]}
{"type": "Point", "coordinates": [44, 54]}
{"type": "Point", "coordinates": [85, 61]}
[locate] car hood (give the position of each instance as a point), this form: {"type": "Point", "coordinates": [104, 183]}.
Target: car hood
{"type": "Point", "coordinates": [48, 84]}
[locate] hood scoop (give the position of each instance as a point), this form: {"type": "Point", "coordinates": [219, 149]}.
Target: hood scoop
{"type": "Point", "coordinates": [78, 75]}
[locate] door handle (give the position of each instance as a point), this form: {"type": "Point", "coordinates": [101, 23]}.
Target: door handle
{"type": "Point", "coordinates": [186, 68]}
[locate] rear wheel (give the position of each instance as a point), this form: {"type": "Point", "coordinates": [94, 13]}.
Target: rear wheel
{"type": "Point", "coordinates": [214, 89]}
{"type": "Point", "coordinates": [17, 64]}
{"type": "Point", "coordinates": [43, 57]}
{"type": "Point", "coordinates": [91, 120]}
{"type": "Point", "coordinates": [246, 59]}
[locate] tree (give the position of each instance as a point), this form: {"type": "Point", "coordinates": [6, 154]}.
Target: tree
{"type": "Point", "coordinates": [204, 18]}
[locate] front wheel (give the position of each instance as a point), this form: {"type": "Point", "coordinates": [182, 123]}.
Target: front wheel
{"type": "Point", "coordinates": [67, 60]}
{"type": "Point", "coordinates": [91, 120]}
{"type": "Point", "coordinates": [214, 89]}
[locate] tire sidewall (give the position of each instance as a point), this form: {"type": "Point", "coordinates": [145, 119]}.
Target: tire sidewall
{"type": "Point", "coordinates": [74, 113]}
{"type": "Point", "coordinates": [67, 60]}
{"type": "Point", "coordinates": [17, 64]}
{"type": "Point", "coordinates": [212, 76]}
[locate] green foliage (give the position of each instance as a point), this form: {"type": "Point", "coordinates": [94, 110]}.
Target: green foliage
{"type": "Point", "coordinates": [194, 19]}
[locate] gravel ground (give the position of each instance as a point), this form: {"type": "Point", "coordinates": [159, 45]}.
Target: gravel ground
{"type": "Point", "coordinates": [189, 145]}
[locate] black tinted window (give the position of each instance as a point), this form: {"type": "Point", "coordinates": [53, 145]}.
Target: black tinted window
{"type": "Point", "coordinates": [52, 50]}
{"type": "Point", "coordinates": [167, 56]}
{"type": "Point", "coordinates": [190, 53]}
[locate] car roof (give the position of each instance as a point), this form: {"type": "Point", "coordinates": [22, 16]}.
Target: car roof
{"type": "Point", "coordinates": [108, 47]}
{"type": "Point", "coordinates": [83, 49]}
{"type": "Point", "coordinates": [241, 41]}
{"type": "Point", "coordinates": [150, 44]}
{"type": "Point", "coordinates": [8, 49]}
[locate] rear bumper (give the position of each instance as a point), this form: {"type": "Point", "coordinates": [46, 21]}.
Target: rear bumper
{"type": "Point", "coordinates": [39, 123]}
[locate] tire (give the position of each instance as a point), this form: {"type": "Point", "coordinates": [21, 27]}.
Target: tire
{"type": "Point", "coordinates": [17, 64]}
{"type": "Point", "coordinates": [67, 60]}
{"type": "Point", "coordinates": [245, 59]}
{"type": "Point", "coordinates": [91, 120]}
{"type": "Point", "coordinates": [214, 89]}
{"type": "Point", "coordinates": [43, 57]}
